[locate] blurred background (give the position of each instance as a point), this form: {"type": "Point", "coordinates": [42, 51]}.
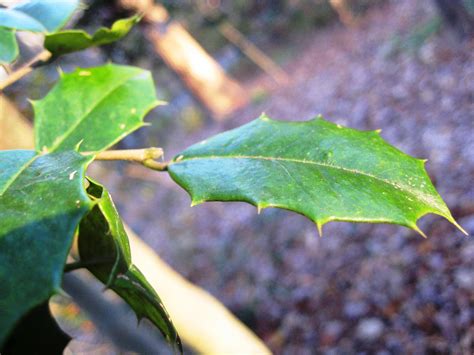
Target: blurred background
{"type": "Point", "coordinates": [405, 66]}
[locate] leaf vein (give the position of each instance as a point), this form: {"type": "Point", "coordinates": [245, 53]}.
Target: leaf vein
{"type": "Point", "coordinates": [423, 198]}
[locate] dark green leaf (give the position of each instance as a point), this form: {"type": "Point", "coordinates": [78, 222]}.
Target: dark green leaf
{"type": "Point", "coordinates": [8, 45]}
{"type": "Point", "coordinates": [69, 41]}
{"type": "Point", "coordinates": [324, 171]}
{"type": "Point", "coordinates": [95, 107]}
{"type": "Point", "coordinates": [36, 333]}
{"type": "Point", "coordinates": [42, 199]}
{"type": "Point", "coordinates": [103, 237]}
{"type": "Point", "coordinates": [38, 15]}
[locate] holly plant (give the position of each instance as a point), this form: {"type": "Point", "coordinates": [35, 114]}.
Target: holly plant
{"type": "Point", "coordinates": [319, 169]}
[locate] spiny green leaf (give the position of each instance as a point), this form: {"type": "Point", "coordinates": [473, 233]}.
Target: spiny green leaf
{"type": "Point", "coordinates": [103, 237]}
{"type": "Point", "coordinates": [36, 333]}
{"type": "Point", "coordinates": [69, 41]}
{"type": "Point", "coordinates": [38, 15]}
{"type": "Point", "coordinates": [42, 200]}
{"type": "Point", "coordinates": [324, 171]}
{"type": "Point", "coordinates": [8, 45]}
{"type": "Point", "coordinates": [93, 107]}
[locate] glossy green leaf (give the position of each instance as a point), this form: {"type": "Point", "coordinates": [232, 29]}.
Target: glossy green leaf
{"type": "Point", "coordinates": [38, 15]}
{"type": "Point", "coordinates": [324, 171]}
{"type": "Point", "coordinates": [94, 107]}
{"type": "Point", "coordinates": [42, 200]}
{"type": "Point", "coordinates": [36, 333]}
{"type": "Point", "coordinates": [8, 45]}
{"type": "Point", "coordinates": [102, 237]}
{"type": "Point", "coordinates": [69, 41]}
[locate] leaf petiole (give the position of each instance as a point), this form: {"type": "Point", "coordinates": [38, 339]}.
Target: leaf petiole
{"type": "Point", "coordinates": [146, 157]}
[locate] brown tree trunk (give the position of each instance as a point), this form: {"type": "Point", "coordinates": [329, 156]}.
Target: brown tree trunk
{"type": "Point", "coordinates": [204, 77]}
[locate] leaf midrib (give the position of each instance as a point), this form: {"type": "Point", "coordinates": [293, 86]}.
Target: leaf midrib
{"type": "Point", "coordinates": [420, 197]}
{"type": "Point", "coordinates": [87, 113]}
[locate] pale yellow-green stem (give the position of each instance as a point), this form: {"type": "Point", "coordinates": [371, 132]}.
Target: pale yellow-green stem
{"type": "Point", "coordinates": [146, 157]}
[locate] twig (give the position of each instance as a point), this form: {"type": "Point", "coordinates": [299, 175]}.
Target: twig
{"type": "Point", "coordinates": [138, 155]}
{"type": "Point", "coordinates": [146, 157]}
{"type": "Point", "coordinates": [25, 69]}
{"type": "Point", "coordinates": [254, 53]}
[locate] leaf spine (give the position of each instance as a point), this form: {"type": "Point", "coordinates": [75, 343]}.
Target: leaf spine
{"type": "Point", "coordinates": [60, 72]}
{"type": "Point", "coordinates": [419, 231]}
{"type": "Point", "coordinates": [196, 202]}
{"type": "Point", "coordinates": [260, 208]}
{"type": "Point", "coordinates": [319, 225]}
{"type": "Point", "coordinates": [264, 117]}
{"type": "Point", "coordinates": [456, 224]}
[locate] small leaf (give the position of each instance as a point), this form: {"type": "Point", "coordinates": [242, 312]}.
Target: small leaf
{"type": "Point", "coordinates": [8, 45]}
{"type": "Point", "coordinates": [324, 171]}
{"type": "Point", "coordinates": [38, 15]}
{"type": "Point", "coordinates": [95, 107]}
{"type": "Point", "coordinates": [36, 333]}
{"type": "Point", "coordinates": [69, 41]}
{"type": "Point", "coordinates": [103, 237]}
{"type": "Point", "coordinates": [42, 200]}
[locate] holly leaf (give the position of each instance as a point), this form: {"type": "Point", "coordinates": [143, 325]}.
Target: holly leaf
{"type": "Point", "coordinates": [42, 200]}
{"type": "Point", "coordinates": [93, 108]}
{"type": "Point", "coordinates": [8, 45]}
{"type": "Point", "coordinates": [36, 333]}
{"type": "Point", "coordinates": [103, 246]}
{"type": "Point", "coordinates": [319, 169]}
{"type": "Point", "coordinates": [69, 41]}
{"type": "Point", "coordinates": [38, 15]}
{"type": "Point", "coordinates": [42, 197]}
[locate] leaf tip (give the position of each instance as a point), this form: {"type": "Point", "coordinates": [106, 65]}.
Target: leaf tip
{"type": "Point", "coordinates": [457, 225]}
{"type": "Point", "coordinates": [137, 17]}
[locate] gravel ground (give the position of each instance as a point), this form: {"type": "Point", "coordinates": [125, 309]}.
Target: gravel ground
{"type": "Point", "coordinates": [361, 288]}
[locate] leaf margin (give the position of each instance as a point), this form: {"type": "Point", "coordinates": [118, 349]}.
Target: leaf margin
{"type": "Point", "coordinates": [184, 157]}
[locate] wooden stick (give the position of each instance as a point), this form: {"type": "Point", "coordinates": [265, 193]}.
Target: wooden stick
{"type": "Point", "coordinates": [25, 69]}
{"type": "Point", "coordinates": [254, 53]}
